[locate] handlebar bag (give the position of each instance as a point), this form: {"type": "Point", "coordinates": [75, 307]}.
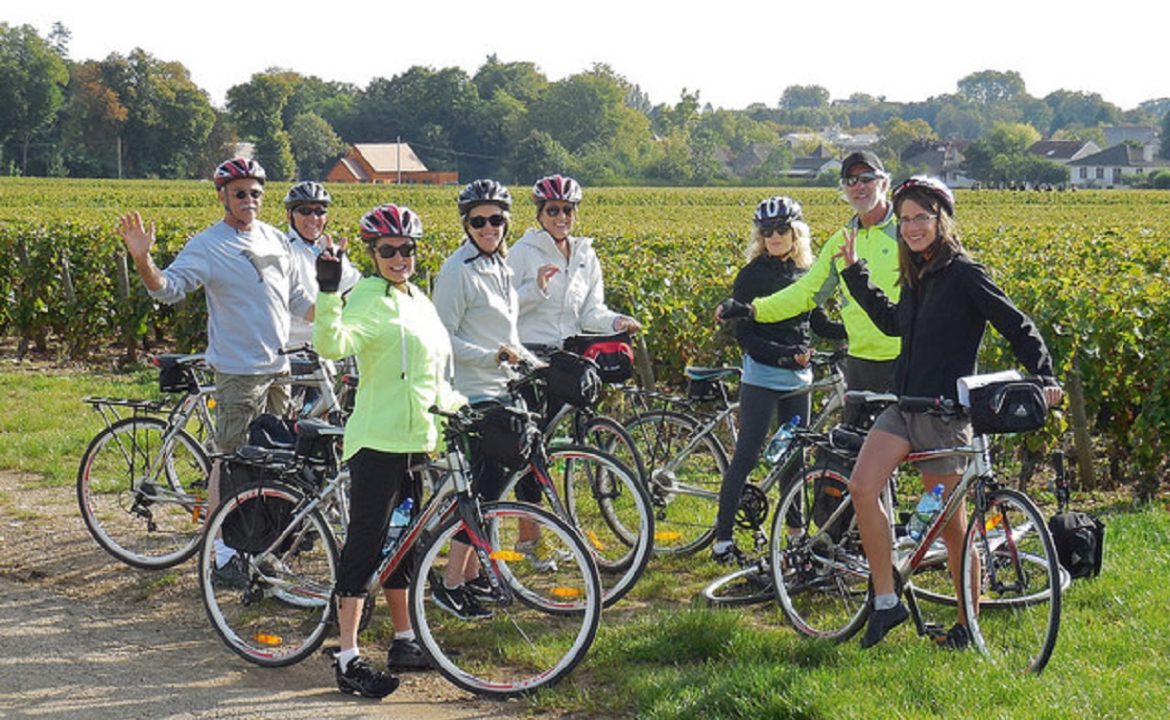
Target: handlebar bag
{"type": "Point", "coordinates": [1007, 407]}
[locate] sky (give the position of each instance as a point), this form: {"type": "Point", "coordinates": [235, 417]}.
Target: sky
{"type": "Point", "coordinates": [733, 52]}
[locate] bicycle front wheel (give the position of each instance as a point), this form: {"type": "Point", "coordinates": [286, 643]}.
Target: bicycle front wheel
{"type": "Point", "coordinates": [144, 496]}
{"type": "Point", "coordinates": [1009, 550]}
{"type": "Point", "coordinates": [749, 585]}
{"type": "Point", "coordinates": [684, 471]}
{"type": "Point", "coordinates": [818, 565]}
{"type": "Point", "coordinates": [542, 616]}
{"type": "Point", "coordinates": [280, 611]}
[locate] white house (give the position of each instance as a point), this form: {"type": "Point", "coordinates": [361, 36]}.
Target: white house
{"type": "Point", "coordinates": [1106, 168]}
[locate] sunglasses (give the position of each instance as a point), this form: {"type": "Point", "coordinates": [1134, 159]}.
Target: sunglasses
{"type": "Point", "coordinates": [256, 194]}
{"type": "Point", "coordinates": [866, 178]}
{"type": "Point", "coordinates": [554, 210]}
{"type": "Point", "coordinates": [388, 251]}
{"type": "Point", "coordinates": [479, 221]}
{"type": "Point", "coordinates": [769, 230]}
{"type": "Point", "coordinates": [307, 211]}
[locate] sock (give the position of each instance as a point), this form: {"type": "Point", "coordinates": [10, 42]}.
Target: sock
{"type": "Point", "coordinates": [885, 602]}
{"type": "Point", "coordinates": [722, 546]}
{"type": "Point", "coordinates": [223, 553]}
{"type": "Point", "coordinates": [404, 634]}
{"type": "Point", "coordinates": [345, 657]}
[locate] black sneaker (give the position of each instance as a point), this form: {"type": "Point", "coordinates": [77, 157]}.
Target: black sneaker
{"type": "Point", "coordinates": [957, 638]}
{"type": "Point", "coordinates": [406, 655]}
{"type": "Point", "coordinates": [480, 587]}
{"type": "Point", "coordinates": [232, 575]}
{"type": "Point", "coordinates": [732, 555]}
{"type": "Point", "coordinates": [883, 621]}
{"type": "Point", "coordinates": [361, 679]}
{"type": "Point", "coordinates": [459, 602]}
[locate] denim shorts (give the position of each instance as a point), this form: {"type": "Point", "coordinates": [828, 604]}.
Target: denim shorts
{"type": "Point", "coordinates": [925, 431]}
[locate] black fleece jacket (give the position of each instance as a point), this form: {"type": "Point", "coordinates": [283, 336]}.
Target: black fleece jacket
{"type": "Point", "coordinates": [941, 322]}
{"type": "Point", "coordinates": [775, 343]}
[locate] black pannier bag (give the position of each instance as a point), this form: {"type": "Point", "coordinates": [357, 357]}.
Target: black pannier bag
{"type": "Point", "coordinates": [1080, 542]}
{"type": "Point", "coordinates": [255, 524]}
{"type": "Point", "coordinates": [506, 436]}
{"type": "Point", "coordinates": [705, 390]}
{"type": "Point", "coordinates": [572, 379]}
{"type": "Point", "coordinates": [1007, 407]}
{"type": "Point", "coordinates": [613, 354]}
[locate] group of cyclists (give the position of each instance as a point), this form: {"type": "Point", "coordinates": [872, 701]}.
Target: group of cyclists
{"type": "Point", "coordinates": [914, 307]}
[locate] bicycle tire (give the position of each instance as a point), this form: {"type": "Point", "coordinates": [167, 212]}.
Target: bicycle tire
{"type": "Point", "coordinates": [686, 499]}
{"type": "Point", "coordinates": [284, 611]}
{"type": "Point", "coordinates": [542, 622]}
{"type": "Point", "coordinates": [149, 523]}
{"type": "Point", "coordinates": [749, 585]}
{"type": "Point", "coordinates": [1020, 637]}
{"type": "Point", "coordinates": [819, 573]}
{"type": "Point", "coordinates": [609, 435]}
{"type": "Point", "coordinates": [608, 507]}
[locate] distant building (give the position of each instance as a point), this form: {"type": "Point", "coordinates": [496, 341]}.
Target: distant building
{"type": "Point", "coordinates": [386, 163]}
{"type": "Point", "coordinates": [1105, 169]}
{"type": "Point", "coordinates": [812, 166]}
{"type": "Point", "coordinates": [1063, 151]}
{"type": "Point", "coordinates": [941, 158]}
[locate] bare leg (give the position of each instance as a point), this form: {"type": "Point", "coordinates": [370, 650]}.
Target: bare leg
{"type": "Point", "coordinates": [349, 609]}
{"type": "Point", "coordinates": [878, 459]}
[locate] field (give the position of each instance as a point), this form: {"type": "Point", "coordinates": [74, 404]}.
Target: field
{"type": "Point", "coordinates": [1089, 266]}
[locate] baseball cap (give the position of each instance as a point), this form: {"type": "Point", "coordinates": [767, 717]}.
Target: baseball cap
{"type": "Point", "coordinates": [865, 157]}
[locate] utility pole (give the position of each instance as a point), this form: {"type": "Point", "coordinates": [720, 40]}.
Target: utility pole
{"type": "Point", "coordinates": [398, 159]}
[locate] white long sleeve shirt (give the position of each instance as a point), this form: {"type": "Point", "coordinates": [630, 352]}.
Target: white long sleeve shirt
{"type": "Point", "coordinates": [252, 287]}
{"type": "Point", "coordinates": [573, 301]}
{"type": "Point", "coordinates": [305, 254]}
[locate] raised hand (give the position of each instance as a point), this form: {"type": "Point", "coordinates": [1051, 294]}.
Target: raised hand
{"type": "Point", "coordinates": [545, 273]}
{"type": "Point", "coordinates": [137, 237]}
{"type": "Point", "coordinates": [848, 251]}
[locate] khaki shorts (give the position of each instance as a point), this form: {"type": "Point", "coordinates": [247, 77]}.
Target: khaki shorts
{"type": "Point", "coordinates": [240, 399]}
{"type": "Point", "coordinates": [925, 431]}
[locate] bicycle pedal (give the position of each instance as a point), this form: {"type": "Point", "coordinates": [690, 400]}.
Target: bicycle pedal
{"type": "Point", "coordinates": [933, 630]}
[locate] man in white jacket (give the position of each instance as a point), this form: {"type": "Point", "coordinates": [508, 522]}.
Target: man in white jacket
{"type": "Point", "coordinates": [558, 276]}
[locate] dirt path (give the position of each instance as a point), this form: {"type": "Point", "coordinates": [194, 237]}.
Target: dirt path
{"type": "Point", "coordinates": [83, 636]}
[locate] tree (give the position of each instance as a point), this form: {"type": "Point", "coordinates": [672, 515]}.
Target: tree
{"type": "Point", "coordinates": [1079, 109]}
{"type": "Point", "coordinates": [521, 80]}
{"type": "Point", "coordinates": [582, 108]}
{"type": "Point", "coordinates": [898, 135]}
{"type": "Point", "coordinates": [999, 155]}
{"type": "Point", "coordinates": [991, 87]}
{"type": "Point", "coordinates": [1164, 151]}
{"type": "Point", "coordinates": [257, 106]}
{"type": "Point", "coordinates": [796, 97]}
{"type": "Point", "coordinates": [92, 123]}
{"type": "Point", "coordinates": [274, 152]}
{"type": "Point", "coordinates": [537, 155]}
{"type": "Point", "coordinates": [314, 144]}
{"type": "Point", "coordinates": [33, 77]}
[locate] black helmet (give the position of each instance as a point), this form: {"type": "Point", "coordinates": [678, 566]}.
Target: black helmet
{"type": "Point", "coordinates": [306, 192]}
{"type": "Point", "coordinates": [777, 210]}
{"type": "Point", "coordinates": [930, 186]}
{"type": "Point", "coordinates": [483, 192]}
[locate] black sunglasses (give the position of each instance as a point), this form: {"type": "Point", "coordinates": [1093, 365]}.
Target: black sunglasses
{"type": "Point", "coordinates": [554, 210]}
{"type": "Point", "coordinates": [307, 211]}
{"type": "Point", "coordinates": [479, 221]}
{"type": "Point", "coordinates": [256, 194]}
{"type": "Point", "coordinates": [388, 251]}
{"type": "Point", "coordinates": [865, 177]}
{"type": "Point", "coordinates": [767, 230]}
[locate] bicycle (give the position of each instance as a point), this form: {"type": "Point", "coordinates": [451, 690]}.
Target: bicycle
{"type": "Point", "coordinates": [543, 620]}
{"type": "Point", "coordinates": [1011, 578]}
{"type": "Point", "coordinates": [685, 459]}
{"type": "Point", "coordinates": [142, 482]}
{"type": "Point", "coordinates": [593, 491]}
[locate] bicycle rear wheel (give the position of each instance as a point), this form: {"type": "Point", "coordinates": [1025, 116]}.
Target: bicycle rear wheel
{"type": "Point", "coordinates": [818, 565]}
{"type": "Point", "coordinates": [1019, 571]}
{"type": "Point", "coordinates": [142, 498]}
{"type": "Point", "coordinates": [543, 620]}
{"type": "Point", "coordinates": [683, 479]}
{"type": "Point", "coordinates": [282, 612]}
{"type": "Point", "coordinates": [749, 585]}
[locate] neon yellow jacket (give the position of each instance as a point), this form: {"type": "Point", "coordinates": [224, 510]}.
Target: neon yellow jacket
{"type": "Point", "coordinates": [878, 246]}
{"type": "Point", "coordinates": [404, 365]}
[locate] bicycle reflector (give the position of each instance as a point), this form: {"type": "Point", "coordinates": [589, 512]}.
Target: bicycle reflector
{"type": "Point", "coordinates": [565, 593]}
{"type": "Point", "coordinates": [506, 555]}
{"type": "Point", "coordinates": [595, 541]}
{"type": "Point", "coordinates": [268, 639]}
{"type": "Point", "coordinates": [667, 535]}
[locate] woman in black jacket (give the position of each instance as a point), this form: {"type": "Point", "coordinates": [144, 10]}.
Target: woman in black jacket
{"type": "Point", "coordinates": [776, 355]}
{"type": "Point", "coordinates": [946, 301]}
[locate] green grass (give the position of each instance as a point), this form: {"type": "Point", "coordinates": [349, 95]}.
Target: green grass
{"type": "Point", "coordinates": [659, 655]}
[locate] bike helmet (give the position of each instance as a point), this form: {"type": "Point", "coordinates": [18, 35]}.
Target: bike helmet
{"type": "Point", "coordinates": [306, 192]}
{"type": "Point", "coordinates": [556, 187]}
{"type": "Point", "coordinates": [390, 221]}
{"type": "Point", "coordinates": [930, 186]}
{"type": "Point", "coordinates": [778, 210]}
{"type": "Point", "coordinates": [483, 192]}
{"type": "Point", "coordinates": [238, 168]}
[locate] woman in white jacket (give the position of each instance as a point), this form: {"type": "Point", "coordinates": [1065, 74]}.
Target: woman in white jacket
{"type": "Point", "coordinates": [558, 276]}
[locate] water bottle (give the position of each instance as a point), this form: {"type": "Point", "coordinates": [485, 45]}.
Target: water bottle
{"type": "Point", "coordinates": [924, 513]}
{"type": "Point", "coordinates": [399, 519]}
{"type": "Point", "coordinates": [781, 440]}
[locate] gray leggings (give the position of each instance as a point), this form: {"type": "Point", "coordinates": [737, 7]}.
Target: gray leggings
{"type": "Point", "coordinates": [758, 407]}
